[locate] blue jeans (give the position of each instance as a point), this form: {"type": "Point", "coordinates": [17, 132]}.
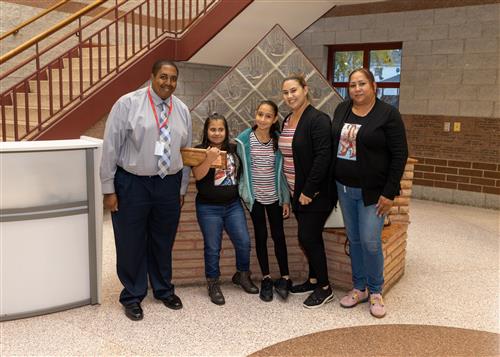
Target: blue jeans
{"type": "Point", "coordinates": [364, 230]}
{"type": "Point", "coordinates": [212, 220]}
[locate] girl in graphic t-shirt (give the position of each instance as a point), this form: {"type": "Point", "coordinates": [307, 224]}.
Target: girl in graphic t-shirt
{"type": "Point", "coordinates": [263, 188]}
{"type": "Point", "coordinates": [218, 207]}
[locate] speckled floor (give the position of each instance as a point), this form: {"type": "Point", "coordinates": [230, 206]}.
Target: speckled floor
{"type": "Point", "coordinates": [451, 279]}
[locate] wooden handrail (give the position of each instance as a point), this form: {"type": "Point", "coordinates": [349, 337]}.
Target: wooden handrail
{"type": "Point", "coordinates": [50, 31]}
{"type": "Point", "coordinates": [33, 19]}
{"type": "Point", "coordinates": [25, 115]}
{"type": "Point", "coordinates": [54, 44]}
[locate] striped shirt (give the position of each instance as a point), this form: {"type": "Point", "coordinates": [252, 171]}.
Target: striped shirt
{"type": "Point", "coordinates": [262, 160]}
{"type": "Point", "coordinates": [285, 146]}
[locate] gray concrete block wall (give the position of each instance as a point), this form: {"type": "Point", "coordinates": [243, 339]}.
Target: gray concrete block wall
{"type": "Point", "coordinates": [195, 80]}
{"type": "Point", "coordinates": [451, 56]}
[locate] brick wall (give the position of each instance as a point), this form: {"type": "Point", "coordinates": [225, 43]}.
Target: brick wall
{"type": "Point", "coordinates": [188, 262]}
{"type": "Point", "coordinates": [449, 73]}
{"type": "Point", "coordinates": [400, 211]}
{"type": "Point", "coordinates": [462, 175]}
{"type": "Point", "coordinates": [460, 167]}
{"type": "Point", "coordinates": [394, 238]}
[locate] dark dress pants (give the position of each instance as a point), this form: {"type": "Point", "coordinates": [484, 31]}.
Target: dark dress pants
{"type": "Point", "coordinates": [145, 226]}
{"type": "Point", "coordinates": [310, 232]}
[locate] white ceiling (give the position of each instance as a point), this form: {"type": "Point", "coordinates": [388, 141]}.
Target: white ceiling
{"type": "Point", "coordinates": [239, 36]}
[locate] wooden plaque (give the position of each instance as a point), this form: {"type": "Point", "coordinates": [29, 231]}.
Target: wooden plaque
{"type": "Point", "coordinates": [194, 157]}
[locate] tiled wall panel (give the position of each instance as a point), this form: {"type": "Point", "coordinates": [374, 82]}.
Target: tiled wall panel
{"type": "Point", "coordinates": [258, 76]}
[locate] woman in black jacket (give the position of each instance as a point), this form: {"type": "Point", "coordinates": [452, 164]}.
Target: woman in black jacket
{"type": "Point", "coordinates": [305, 143]}
{"type": "Point", "coordinates": [369, 157]}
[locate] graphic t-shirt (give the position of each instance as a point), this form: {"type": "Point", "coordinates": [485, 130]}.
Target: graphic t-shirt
{"type": "Point", "coordinates": [347, 166]}
{"type": "Point", "coordinates": [227, 176]}
{"type": "Point", "coordinates": [219, 186]}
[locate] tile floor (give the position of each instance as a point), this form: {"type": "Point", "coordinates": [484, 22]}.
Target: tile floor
{"type": "Point", "coordinates": [451, 279]}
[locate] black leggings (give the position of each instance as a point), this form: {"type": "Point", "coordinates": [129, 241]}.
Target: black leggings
{"type": "Point", "coordinates": [310, 232]}
{"type": "Point", "coordinates": [275, 217]}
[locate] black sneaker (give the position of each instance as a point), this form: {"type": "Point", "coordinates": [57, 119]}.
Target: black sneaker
{"type": "Point", "coordinates": [266, 289]}
{"type": "Point", "coordinates": [318, 298]}
{"type": "Point", "coordinates": [304, 288]}
{"type": "Point", "coordinates": [282, 287]}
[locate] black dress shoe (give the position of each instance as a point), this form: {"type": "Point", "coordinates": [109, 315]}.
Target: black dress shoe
{"type": "Point", "coordinates": [173, 302]}
{"type": "Point", "coordinates": [134, 311]}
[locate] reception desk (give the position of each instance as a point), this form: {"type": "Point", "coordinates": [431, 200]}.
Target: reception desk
{"type": "Point", "coordinates": [51, 226]}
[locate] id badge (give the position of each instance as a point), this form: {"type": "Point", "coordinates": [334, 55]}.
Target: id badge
{"type": "Point", "coordinates": [159, 148]}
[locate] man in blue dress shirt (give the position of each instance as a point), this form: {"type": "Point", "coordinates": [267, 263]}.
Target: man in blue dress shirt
{"type": "Point", "coordinates": [144, 183]}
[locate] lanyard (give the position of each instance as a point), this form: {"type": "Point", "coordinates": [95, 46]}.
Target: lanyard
{"type": "Point", "coordinates": [153, 107]}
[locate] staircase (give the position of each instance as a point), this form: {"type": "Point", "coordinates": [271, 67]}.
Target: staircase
{"type": "Point", "coordinates": [113, 55]}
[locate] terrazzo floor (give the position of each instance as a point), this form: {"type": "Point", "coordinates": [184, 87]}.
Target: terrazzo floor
{"type": "Point", "coordinates": [451, 279]}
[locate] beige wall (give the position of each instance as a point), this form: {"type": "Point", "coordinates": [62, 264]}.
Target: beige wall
{"type": "Point", "coordinates": [450, 63]}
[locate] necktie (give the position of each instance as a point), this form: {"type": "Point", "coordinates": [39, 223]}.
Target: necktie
{"type": "Point", "coordinates": [164, 161]}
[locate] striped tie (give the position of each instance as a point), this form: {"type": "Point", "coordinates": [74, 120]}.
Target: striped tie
{"type": "Point", "coordinates": [164, 161]}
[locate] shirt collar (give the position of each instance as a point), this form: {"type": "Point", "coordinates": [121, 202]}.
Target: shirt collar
{"type": "Point", "coordinates": [156, 99]}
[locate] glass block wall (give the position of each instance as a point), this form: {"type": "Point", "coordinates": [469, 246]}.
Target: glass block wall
{"type": "Point", "coordinates": [258, 76]}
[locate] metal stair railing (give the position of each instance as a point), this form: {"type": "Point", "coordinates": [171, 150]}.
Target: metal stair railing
{"type": "Point", "coordinates": [50, 9]}
{"type": "Point", "coordinates": [116, 38]}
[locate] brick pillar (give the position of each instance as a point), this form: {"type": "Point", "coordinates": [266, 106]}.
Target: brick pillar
{"type": "Point", "coordinates": [394, 238]}
{"type": "Point", "coordinates": [400, 211]}
{"type": "Point", "coordinates": [188, 262]}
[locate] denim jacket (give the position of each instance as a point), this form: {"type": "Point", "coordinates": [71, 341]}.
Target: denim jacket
{"type": "Point", "coordinates": [245, 184]}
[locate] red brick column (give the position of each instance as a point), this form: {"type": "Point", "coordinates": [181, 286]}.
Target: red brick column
{"type": "Point", "coordinates": [188, 263]}
{"type": "Point", "coordinates": [393, 240]}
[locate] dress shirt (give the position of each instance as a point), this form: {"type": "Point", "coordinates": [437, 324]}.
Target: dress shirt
{"type": "Point", "coordinates": [132, 132]}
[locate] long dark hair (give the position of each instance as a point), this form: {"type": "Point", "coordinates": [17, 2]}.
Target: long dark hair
{"type": "Point", "coordinates": [205, 142]}
{"type": "Point", "coordinates": [275, 128]}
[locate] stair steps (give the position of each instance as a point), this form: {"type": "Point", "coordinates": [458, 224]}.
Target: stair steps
{"type": "Point", "coordinates": [44, 99]}
{"type": "Point", "coordinates": [55, 93]}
